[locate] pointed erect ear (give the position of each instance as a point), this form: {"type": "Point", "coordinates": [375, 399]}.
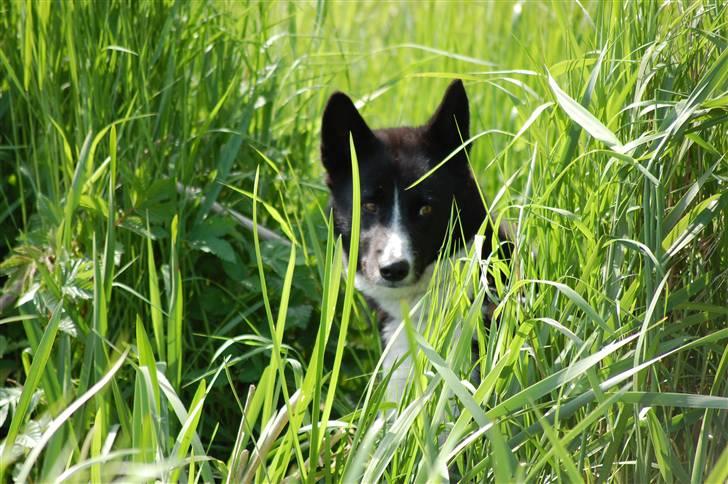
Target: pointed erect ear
{"type": "Point", "coordinates": [450, 125]}
{"type": "Point", "coordinates": [341, 118]}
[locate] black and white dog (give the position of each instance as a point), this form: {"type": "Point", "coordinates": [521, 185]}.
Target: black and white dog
{"type": "Point", "coordinates": [402, 230]}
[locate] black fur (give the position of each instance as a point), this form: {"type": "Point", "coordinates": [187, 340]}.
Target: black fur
{"type": "Point", "coordinates": [400, 156]}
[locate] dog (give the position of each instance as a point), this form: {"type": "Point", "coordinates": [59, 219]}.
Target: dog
{"type": "Point", "coordinates": [403, 229]}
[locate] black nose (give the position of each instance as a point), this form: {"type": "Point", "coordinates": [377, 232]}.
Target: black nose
{"type": "Point", "coordinates": [396, 271]}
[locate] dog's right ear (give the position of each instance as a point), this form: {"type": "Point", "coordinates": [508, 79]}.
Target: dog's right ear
{"type": "Point", "coordinates": [341, 118]}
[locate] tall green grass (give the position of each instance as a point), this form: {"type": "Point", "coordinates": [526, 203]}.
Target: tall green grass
{"type": "Point", "coordinates": [148, 333]}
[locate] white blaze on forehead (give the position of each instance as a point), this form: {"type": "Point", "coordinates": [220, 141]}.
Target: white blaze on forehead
{"type": "Point", "coordinates": [397, 246]}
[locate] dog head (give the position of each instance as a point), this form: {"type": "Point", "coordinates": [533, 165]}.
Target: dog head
{"type": "Point", "coordinates": [402, 229]}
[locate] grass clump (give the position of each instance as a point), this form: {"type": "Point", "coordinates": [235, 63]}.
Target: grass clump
{"type": "Point", "coordinates": [149, 333]}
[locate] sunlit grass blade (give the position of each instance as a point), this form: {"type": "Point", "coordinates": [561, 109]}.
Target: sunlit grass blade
{"type": "Point", "coordinates": [174, 318]}
{"type": "Point", "coordinates": [189, 427]}
{"type": "Point", "coordinates": [66, 414]}
{"type": "Point", "coordinates": [155, 301]}
{"type": "Point", "coordinates": [42, 353]}
{"type": "Point", "coordinates": [584, 118]}
{"type": "Point", "coordinates": [353, 258]}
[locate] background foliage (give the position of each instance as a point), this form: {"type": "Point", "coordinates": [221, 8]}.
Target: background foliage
{"type": "Point", "coordinates": [135, 315]}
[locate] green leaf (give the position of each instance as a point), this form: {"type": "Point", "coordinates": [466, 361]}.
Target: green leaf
{"type": "Point", "coordinates": [187, 432]}
{"type": "Point", "coordinates": [58, 422]}
{"type": "Point", "coordinates": [584, 118]}
{"type": "Point", "coordinates": [40, 358]}
{"type": "Point", "coordinates": [214, 245]}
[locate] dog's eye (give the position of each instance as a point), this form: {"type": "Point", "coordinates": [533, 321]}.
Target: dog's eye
{"type": "Point", "coordinates": [425, 210]}
{"type": "Point", "coordinates": [370, 207]}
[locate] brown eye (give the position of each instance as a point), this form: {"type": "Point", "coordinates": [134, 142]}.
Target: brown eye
{"type": "Point", "coordinates": [371, 207]}
{"type": "Point", "coordinates": [425, 210]}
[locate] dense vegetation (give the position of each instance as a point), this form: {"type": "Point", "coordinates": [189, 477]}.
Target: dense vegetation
{"type": "Point", "coordinates": [148, 333]}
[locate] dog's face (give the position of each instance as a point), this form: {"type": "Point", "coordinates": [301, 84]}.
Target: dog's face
{"type": "Point", "coordinates": [402, 230]}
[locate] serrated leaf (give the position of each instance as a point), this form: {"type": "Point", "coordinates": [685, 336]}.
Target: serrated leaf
{"type": "Point", "coordinates": [216, 246]}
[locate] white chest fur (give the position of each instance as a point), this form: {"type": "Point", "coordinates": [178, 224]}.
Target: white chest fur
{"type": "Point", "coordinates": [392, 301]}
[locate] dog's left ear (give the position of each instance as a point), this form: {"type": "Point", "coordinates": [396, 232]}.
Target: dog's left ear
{"type": "Point", "coordinates": [450, 125]}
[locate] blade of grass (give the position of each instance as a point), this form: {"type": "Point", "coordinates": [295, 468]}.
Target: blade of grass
{"type": "Point", "coordinates": [42, 354]}
{"type": "Point", "coordinates": [353, 260]}
{"type": "Point", "coordinates": [58, 422]}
